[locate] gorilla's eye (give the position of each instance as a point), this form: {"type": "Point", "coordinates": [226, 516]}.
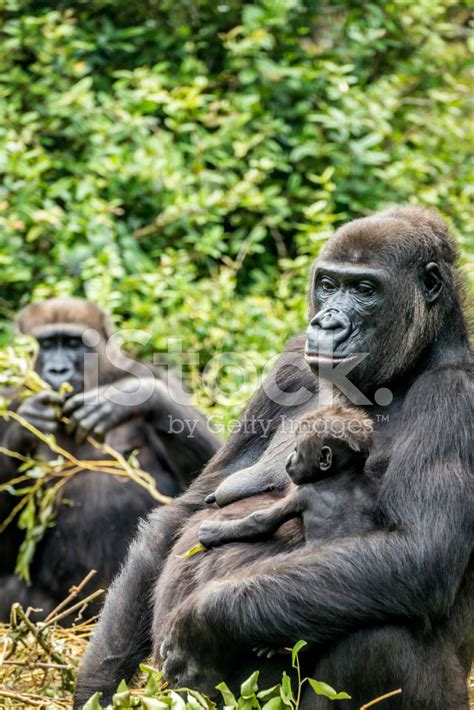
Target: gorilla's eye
{"type": "Point", "coordinates": [364, 289]}
{"type": "Point", "coordinates": [327, 284]}
{"type": "Point", "coordinates": [73, 343]}
{"type": "Point", "coordinates": [46, 343]}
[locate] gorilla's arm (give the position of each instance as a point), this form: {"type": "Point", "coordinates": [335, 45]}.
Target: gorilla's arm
{"type": "Point", "coordinates": [257, 525]}
{"type": "Point", "coordinates": [40, 410]}
{"type": "Point", "coordinates": [412, 568]}
{"type": "Point", "coordinates": [183, 430]}
{"type": "Point", "coordinates": [267, 474]}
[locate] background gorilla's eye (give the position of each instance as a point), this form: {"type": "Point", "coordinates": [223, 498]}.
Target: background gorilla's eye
{"type": "Point", "coordinates": [73, 343]}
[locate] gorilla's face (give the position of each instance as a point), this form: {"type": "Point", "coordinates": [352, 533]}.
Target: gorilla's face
{"type": "Point", "coordinates": [61, 356]}
{"type": "Point", "coordinates": [309, 462]}
{"type": "Point", "coordinates": [374, 305]}
{"type": "Point", "coordinates": [347, 300]}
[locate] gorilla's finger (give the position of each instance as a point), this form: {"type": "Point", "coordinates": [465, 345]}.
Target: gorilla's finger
{"type": "Point", "coordinates": [48, 413]}
{"type": "Point", "coordinates": [45, 425]}
{"type": "Point", "coordinates": [164, 649]}
{"type": "Point", "coordinates": [101, 429]}
{"type": "Point", "coordinates": [211, 498]}
{"type": "Point", "coordinates": [173, 666]}
{"type": "Point", "coordinates": [85, 426]}
{"type": "Point", "coordinates": [40, 413]}
{"type": "Point", "coordinates": [50, 397]}
{"type": "Point", "coordinates": [73, 403]}
{"type": "Point", "coordinates": [99, 436]}
{"type": "Point", "coordinates": [76, 418]}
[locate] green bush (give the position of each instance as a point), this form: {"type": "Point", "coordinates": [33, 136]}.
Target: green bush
{"type": "Point", "coordinates": [182, 161]}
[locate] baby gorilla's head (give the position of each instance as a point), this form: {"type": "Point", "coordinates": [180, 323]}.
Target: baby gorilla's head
{"type": "Point", "coordinates": [329, 441]}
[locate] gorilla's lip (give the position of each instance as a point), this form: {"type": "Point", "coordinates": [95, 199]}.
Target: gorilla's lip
{"type": "Point", "coordinates": [318, 358]}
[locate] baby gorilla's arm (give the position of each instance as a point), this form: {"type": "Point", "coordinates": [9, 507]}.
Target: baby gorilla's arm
{"type": "Point", "coordinates": [260, 524]}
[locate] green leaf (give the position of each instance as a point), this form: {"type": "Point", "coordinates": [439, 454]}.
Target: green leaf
{"type": "Point", "coordinates": [324, 689]}
{"type": "Point", "coordinates": [275, 704]}
{"type": "Point", "coordinates": [228, 697]}
{"type": "Point", "coordinates": [153, 704]}
{"type": "Point", "coordinates": [177, 702]}
{"type": "Point", "coordinates": [93, 703]}
{"type": "Point", "coordinates": [295, 651]}
{"type": "Point", "coordinates": [286, 690]}
{"type": "Point", "coordinates": [250, 686]}
{"type": "Point", "coordinates": [269, 693]}
{"type": "Point", "coordinates": [193, 551]}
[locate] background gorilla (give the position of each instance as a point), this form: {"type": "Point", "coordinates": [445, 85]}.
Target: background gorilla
{"type": "Point", "coordinates": [392, 608]}
{"type": "Point", "coordinates": [95, 530]}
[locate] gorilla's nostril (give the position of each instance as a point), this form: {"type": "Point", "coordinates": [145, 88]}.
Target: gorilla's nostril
{"type": "Point", "coordinates": [332, 320]}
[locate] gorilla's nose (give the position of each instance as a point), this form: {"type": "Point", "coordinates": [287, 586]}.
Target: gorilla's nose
{"type": "Point", "coordinates": [335, 321]}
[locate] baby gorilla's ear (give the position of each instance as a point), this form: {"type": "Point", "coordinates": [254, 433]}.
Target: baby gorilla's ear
{"type": "Point", "coordinates": [325, 458]}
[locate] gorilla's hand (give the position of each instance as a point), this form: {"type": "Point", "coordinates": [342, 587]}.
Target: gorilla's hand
{"type": "Point", "coordinates": [41, 412]}
{"type": "Point", "coordinates": [210, 533]}
{"type": "Point", "coordinates": [189, 654]}
{"type": "Point", "coordinates": [101, 409]}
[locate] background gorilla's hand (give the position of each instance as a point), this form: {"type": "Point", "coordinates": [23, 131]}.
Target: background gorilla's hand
{"type": "Point", "coordinates": [101, 409]}
{"type": "Point", "coordinates": [42, 411]}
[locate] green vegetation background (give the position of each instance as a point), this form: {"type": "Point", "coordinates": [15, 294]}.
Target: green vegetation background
{"type": "Point", "coordinates": [181, 162]}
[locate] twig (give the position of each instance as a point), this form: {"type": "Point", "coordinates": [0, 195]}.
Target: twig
{"type": "Point", "coordinates": [73, 608]}
{"type": "Point", "coordinates": [141, 478]}
{"type": "Point", "coordinates": [27, 699]}
{"type": "Point", "coordinates": [382, 697]}
{"type": "Point", "coordinates": [37, 633]}
{"type": "Point", "coordinates": [73, 592]}
{"type": "Point", "coordinates": [36, 664]}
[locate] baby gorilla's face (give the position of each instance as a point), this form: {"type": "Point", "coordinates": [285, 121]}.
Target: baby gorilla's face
{"type": "Point", "coordinates": [311, 460]}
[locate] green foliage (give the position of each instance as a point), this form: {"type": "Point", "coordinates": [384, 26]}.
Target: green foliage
{"type": "Point", "coordinates": [156, 695]}
{"type": "Point", "coordinates": [182, 162]}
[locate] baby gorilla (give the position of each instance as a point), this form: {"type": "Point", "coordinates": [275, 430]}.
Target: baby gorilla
{"type": "Point", "coordinates": [332, 496]}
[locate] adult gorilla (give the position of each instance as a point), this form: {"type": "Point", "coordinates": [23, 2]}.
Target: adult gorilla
{"type": "Point", "coordinates": [387, 609]}
{"type": "Point", "coordinates": [122, 400]}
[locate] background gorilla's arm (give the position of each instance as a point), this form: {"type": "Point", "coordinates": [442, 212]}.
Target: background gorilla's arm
{"type": "Point", "coordinates": [184, 431]}
{"type": "Point", "coordinates": [412, 568]}
{"type": "Point", "coordinates": [39, 410]}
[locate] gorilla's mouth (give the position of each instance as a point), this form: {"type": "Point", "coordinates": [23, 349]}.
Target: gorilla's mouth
{"type": "Point", "coordinates": [313, 358]}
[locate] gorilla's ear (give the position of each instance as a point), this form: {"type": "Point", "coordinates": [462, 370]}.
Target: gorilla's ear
{"type": "Point", "coordinates": [432, 282]}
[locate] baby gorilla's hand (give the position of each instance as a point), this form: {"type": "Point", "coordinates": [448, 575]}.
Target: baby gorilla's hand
{"type": "Point", "coordinates": [210, 533]}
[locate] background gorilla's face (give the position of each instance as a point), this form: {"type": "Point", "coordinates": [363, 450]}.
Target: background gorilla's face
{"type": "Point", "coordinates": [61, 356]}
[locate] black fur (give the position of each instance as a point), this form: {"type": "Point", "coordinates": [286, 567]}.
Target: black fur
{"type": "Point", "coordinates": [393, 608]}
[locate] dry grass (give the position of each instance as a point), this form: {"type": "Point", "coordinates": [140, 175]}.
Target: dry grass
{"type": "Point", "coordinates": [39, 661]}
